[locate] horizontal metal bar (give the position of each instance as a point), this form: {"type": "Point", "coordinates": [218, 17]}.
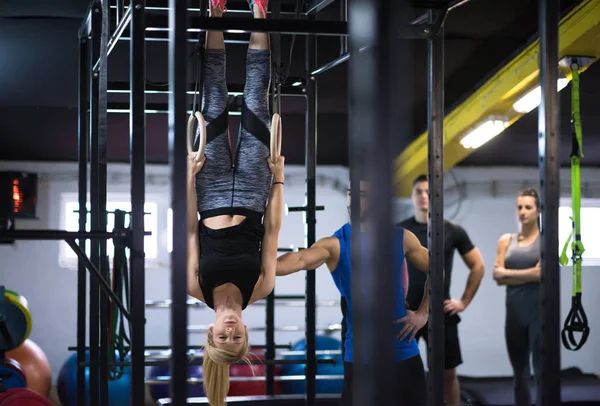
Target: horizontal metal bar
{"type": "Point", "coordinates": [162, 34]}
{"type": "Point", "coordinates": [198, 361]}
{"type": "Point", "coordinates": [234, 89]}
{"type": "Point", "coordinates": [50, 235]}
{"type": "Point", "coordinates": [265, 400]}
{"type": "Point", "coordinates": [190, 347]}
{"type": "Point", "coordinates": [114, 38]}
{"type": "Point", "coordinates": [290, 249]}
{"type": "Point", "coordinates": [165, 355]}
{"type": "Point", "coordinates": [161, 380]}
{"type": "Point", "coordinates": [290, 297]}
{"type": "Point", "coordinates": [283, 329]}
{"type": "Point", "coordinates": [317, 352]}
{"type": "Point", "coordinates": [126, 110]}
{"type": "Point", "coordinates": [160, 108]}
{"type": "Point", "coordinates": [162, 6]}
{"type": "Point", "coordinates": [159, 36]}
{"type": "Point", "coordinates": [166, 304]}
{"type": "Point", "coordinates": [291, 209]}
{"type": "Point", "coordinates": [248, 25]}
{"type": "Point", "coordinates": [158, 6]}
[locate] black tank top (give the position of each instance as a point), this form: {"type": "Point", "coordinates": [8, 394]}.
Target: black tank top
{"type": "Point", "coordinates": [231, 255]}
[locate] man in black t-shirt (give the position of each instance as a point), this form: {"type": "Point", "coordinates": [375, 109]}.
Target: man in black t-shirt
{"type": "Point", "coordinates": [455, 239]}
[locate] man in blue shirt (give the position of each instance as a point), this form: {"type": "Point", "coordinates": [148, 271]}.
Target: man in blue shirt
{"type": "Point", "coordinates": [334, 252]}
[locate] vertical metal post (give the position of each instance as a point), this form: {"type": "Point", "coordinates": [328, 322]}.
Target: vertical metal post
{"type": "Point", "coordinates": [119, 12]}
{"type": "Point", "coordinates": [137, 128]}
{"type": "Point", "coordinates": [375, 77]}
{"type": "Point", "coordinates": [100, 213]}
{"type": "Point", "coordinates": [178, 22]}
{"type": "Point", "coordinates": [358, 70]}
{"type": "Point", "coordinates": [276, 106]}
{"type": "Point", "coordinates": [83, 143]}
{"type": "Point", "coordinates": [343, 17]}
{"type": "Point", "coordinates": [548, 389]}
{"type": "Point", "coordinates": [276, 59]}
{"type": "Point", "coordinates": [270, 341]}
{"type": "Point", "coordinates": [311, 215]}
{"type": "Point", "coordinates": [94, 310]}
{"type": "Point", "coordinates": [435, 224]}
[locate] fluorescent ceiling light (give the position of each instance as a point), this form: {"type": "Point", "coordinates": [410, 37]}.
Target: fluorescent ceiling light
{"type": "Point", "coordinates": [482, 134]}
{"type": "Point", "coordinates": [533, 99]}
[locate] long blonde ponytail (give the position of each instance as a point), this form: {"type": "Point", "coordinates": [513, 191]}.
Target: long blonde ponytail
{"type": "Point", "coordinates": [215, 371]}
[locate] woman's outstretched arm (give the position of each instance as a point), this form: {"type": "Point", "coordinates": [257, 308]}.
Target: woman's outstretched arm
{"type": "Point", "coordinates": [272, 223]}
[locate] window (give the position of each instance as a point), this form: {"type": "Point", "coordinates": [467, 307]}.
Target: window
{"type": "Point", "coordinates": [70, 221]}
{"type": "Point", "coordinates": [170, 229]}
{"type": "Point", "coordinates": [590, 223]}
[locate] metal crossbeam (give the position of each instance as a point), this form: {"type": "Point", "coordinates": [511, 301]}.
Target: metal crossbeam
{"type": "Point", "coordinates": [240, 24]}
{"type": "Point", "coordinates": [234, 89]}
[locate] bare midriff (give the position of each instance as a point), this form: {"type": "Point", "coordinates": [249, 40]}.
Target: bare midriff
{"type": "Point", "coordinates": [223, 221]}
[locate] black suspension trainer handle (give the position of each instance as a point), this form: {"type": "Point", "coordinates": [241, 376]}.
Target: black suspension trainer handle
{"type": "Point", "coordinates": [576, 322]}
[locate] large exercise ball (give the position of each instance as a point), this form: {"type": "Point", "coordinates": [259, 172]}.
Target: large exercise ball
{"type": "Point", "coordinates": [119, 392]}
{"type": "Point", "coordinates": [323, 343]}
{"type": "Point", "coordinates": [251, 387]}
{"type": "Point", "coordinates": [36, 366]}
{"type": "Point", "coordinates": [161, 391]}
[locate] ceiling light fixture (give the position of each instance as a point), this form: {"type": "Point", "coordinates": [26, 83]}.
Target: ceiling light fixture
{"type": "Point", "coordinates": [483, 133]}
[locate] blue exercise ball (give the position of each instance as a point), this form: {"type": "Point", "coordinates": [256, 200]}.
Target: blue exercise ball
{"type": "Point", "coordinates": [119, 392]}
{"type": "Point", "coordinates": [323, 343]}
{"type": "Point", "coordinates": [161, 391]}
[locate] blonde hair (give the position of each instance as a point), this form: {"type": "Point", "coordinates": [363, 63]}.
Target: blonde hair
{"type": "Point", "coordinates": [215, 370]}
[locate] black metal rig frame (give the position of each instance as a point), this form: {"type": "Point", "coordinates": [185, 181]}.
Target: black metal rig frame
{"type": "Point", "coordinates": [370, 82]}
{"type": "Point", "coordinates": [372, 86]}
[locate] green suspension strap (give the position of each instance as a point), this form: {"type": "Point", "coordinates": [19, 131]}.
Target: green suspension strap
{"type": "Point", "coordinates": [118, 338]}
{"type": "Point", "coordinates": [576, 321]}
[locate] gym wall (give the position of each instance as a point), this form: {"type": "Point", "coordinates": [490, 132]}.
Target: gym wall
{"type": "Point", "coordinates": [32, 267]}
{"type": "Point", "coordinates": [481, 200]}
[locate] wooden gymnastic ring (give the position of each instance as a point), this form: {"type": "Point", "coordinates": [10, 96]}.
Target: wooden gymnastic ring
{"type": "Point", "coordinates": [191, 135]}
{"type": "Point", "coordinates": [275, 138]}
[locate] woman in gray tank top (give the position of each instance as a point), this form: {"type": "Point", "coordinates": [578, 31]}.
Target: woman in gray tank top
{"type": "Point", "coordinates": [518, 268]}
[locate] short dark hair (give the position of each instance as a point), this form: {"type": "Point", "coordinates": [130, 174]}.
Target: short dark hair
{"type": "Point", "coordinates": [419, 179]}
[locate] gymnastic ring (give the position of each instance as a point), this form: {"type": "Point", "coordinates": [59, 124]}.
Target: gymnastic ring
{"type": "Point", "coordinates": [191, 135]}
{"type": "Point", "coordinates": [275, 138]}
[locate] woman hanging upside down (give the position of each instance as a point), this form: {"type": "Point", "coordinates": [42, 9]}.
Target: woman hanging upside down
{"type": "Point", "coordinates": [233, 248]}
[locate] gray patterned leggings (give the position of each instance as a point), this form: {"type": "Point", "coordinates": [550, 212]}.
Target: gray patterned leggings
{"type": "Point", "coordinates": [228, 184]}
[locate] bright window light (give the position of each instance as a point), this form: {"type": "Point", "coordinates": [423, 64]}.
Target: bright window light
{"type": "Point", "coordinates": [590, 223]}
{"type": "Point", "coordinates": [482, 134]}
{"type": "Point", "coordinates": [71, 223]}
{"type": "Point", "coordinates": [170, 230]}
{"type": "Point", "coordinates": [533, 99]}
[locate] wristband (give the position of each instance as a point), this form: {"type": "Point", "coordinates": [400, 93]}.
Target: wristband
{"type": "Point", "coordinates": [276, 183]}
